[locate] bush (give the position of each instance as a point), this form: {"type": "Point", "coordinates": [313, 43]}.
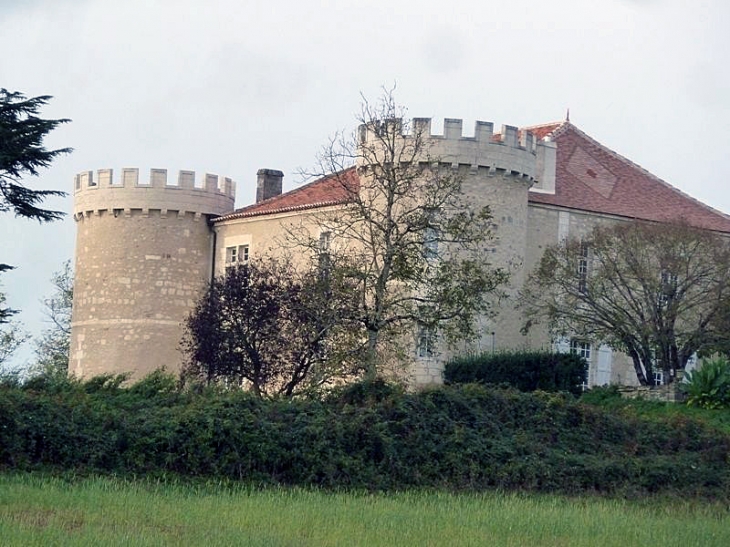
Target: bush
{"type": "Point", "coordinates": [525, 370]}
{"type": "Point", "coordinates": [709, 386]}
{"type": "Point", "coordinates": [368, 436]}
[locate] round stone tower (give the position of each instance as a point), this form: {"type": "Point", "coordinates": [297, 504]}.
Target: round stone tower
{"type": "Point", "coordinates": [495, 169]}
{"type": "Point", "coordinates": [144, 252]}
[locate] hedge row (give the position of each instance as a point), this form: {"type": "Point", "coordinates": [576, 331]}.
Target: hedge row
{"type": "Point", "coordinates": [524, 370]}
{"type": "Point", "coordinates": [367, 436]}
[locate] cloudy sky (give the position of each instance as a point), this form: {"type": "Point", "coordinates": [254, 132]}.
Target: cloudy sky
{"type": "Point", "coordinates": [229, 86]}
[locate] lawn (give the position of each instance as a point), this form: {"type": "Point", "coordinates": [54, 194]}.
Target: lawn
{"type": "Point", "coordinates": [42, 510]}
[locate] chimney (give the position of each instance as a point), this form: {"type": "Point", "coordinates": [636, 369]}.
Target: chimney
{"type": "Point", "coordinates": [268, 184]}
{"type": "Point", "coordinates": [547, 154]}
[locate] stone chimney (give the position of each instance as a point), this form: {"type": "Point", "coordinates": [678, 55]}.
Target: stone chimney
{"type": "Point", "coordinates": [268, 184]}
{"type": "Point", "coordinates": [545, 167]}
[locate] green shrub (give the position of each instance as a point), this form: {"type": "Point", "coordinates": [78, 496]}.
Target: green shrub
{"type": "Point", "coordinates": [709, 386]}
{"type": "Point", "coordinates": [367, 436]}
{"type": "Point", "coordinates": [524, 370]}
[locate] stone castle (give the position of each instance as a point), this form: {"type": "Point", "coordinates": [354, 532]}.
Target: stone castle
{"type": "Point", "coordinates": [146, 248]}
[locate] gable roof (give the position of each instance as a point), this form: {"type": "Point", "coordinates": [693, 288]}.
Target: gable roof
{"type": "Point", "coordinates": [592, 177]}
{"type": "Point", "coordinates": [330, 190]}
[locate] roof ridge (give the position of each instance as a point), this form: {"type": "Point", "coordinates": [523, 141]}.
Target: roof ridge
{"type": "Point", "coordinates": [278, 204]}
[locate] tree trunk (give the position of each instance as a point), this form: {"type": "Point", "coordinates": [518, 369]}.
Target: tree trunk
{"type": "Point", "coordinates": [639, 369]}
{"type": "Point", "coordinates": [371, 355]}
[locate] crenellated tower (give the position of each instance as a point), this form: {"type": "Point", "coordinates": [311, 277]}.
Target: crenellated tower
{"type": "Point", "coordinates": [144, 251]}
{"type": "Point", "coordinates": [496, 169]}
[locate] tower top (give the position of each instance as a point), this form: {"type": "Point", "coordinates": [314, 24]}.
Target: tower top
{"type": "Point", "coordinates": [212, 195]}
{"type": "Point", "coordinates": [512, 151]}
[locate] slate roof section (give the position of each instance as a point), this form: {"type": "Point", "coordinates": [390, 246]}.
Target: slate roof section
{"type": "Point", "coordinates": [331, 190]}
{"type": "Point", "coordinates": [592, 177]}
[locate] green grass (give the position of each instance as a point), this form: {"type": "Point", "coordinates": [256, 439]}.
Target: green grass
{"type": "Point", "coordinates": [41, 510]}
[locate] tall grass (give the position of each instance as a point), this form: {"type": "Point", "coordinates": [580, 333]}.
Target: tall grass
{"type": "Point", "coordinates": [107, 511]}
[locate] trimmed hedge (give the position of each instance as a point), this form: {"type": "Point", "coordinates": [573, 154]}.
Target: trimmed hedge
{"type": "Point", "coordinates": [525, 370]}
{"type": "Point", "coordinates": [373, 436]}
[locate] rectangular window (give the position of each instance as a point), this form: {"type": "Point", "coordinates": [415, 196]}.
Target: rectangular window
{"type": "Point", "coordinates": [430, 243]}
{"type": "Point", "coordinates": [581, 347]}
{"type": "Point", "coordinates": [236, 255]}
{"type": "Point", "coordinates": [658, 378]}
{"type": "Point", "coordinates": [325, 240]}
{"type": "Point", "coordinates": [425, 343]}
{"type": "Point", "coordinates": [667, 288]}
{"type": "Point", "coordinates": [583, 268]}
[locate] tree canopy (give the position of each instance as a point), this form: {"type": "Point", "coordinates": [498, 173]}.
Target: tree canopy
{"type": "Point", "coordinates": [404, 234]}
{"type": "Point", "coordinates": [652, 291]}
{"type": "Point", "coordinates": [273, 329]}
{"type": "Point", "coordinates": [22, 153]}
{"type": "Point", "coordinates": [52, 348]}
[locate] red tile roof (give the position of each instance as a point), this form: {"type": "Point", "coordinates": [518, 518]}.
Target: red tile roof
{"type": "Point", "coordinates": [330, 190]}
{"type": "Point", "coordinates": [591, 177]}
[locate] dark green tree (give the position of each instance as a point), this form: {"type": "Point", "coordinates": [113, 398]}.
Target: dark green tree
{"type": "Point", "coordinates": [22, 154]}
{"type": "Point", "coordinates": [270, 328]}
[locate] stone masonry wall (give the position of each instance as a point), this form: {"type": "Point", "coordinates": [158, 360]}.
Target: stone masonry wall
{"type": "Point", "coordinates": [137, 278]}
{"type": "Point", "coordinates": [143, 256]}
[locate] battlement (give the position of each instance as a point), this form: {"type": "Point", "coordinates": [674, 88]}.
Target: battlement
{"type": "Point", "coordinates": [158, 178]}
{"type": "Point", "coordinates": [211, 195]}
{"type": "Point", "coordinates": [512, 151]}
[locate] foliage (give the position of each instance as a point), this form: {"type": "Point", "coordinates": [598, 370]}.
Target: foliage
{"type": "Point", "coordinates": [404, 233]}
{"type": "Point", "coordinates": [22, 153]}
{"type": "Point", "coordinates": [52, 348]}
{"type": "Point", "coordinates": [273, 329]}
{"type": "Point", "coordinates": [709, 385]}
{"type": "Point", "coordinates": [610, 399]}
{"type": "Point", "coordinates": [457, 437]}
{"type": "Point", "coordinates": [523, 370]}
{"type": "Point", "coordinates": [651, 291]}
{"type": "Point", "coordinates": [12, 335]}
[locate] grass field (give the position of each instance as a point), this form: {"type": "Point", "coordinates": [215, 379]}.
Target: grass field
{"type": "Point", "coordinates": [38, 510]}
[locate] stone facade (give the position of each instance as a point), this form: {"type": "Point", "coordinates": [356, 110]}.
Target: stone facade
{"type": "Point", "coordinates": [143, 256]}
{"type": "Point", "coordinates": [145, 251]}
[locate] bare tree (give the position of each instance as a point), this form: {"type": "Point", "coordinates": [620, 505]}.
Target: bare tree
{"type": "Point", "coordinates": [652, 291]}
{"type": "Point", "coordinates": [52, 348]}
{"type": "Point", "coordinates": [273, 329]}
{"type": "Point", "coordinates": [12, 335]}
{"type": "Point", "coordinates": [404, 233]}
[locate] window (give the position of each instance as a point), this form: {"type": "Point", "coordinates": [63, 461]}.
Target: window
{"type": "Point", "coordinates": [667, 288]}
{"type": "Point", "coordinates": [583, 268]}
{"type": "Point", "coordinates": [658, 378]}
{"type": "Point", "coordinates": [325, 240]}
{"type": "Point", "coordinates": [581, 347]}
{"type": "Point", "coordinates": [426, 342]}
{"type": "Point", "coordinates": [325, 243]}
{"type": "Point", "coordinates": [430, 243]}
{"type": "Point", "coordinates": [236, 255]}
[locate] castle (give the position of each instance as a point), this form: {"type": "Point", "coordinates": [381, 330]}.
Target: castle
{"type": "Point", "coordinates": [146, 248]}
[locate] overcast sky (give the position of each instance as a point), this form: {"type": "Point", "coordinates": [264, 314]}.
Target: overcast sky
{"type": "Point", "coordinates": [229, 86]}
